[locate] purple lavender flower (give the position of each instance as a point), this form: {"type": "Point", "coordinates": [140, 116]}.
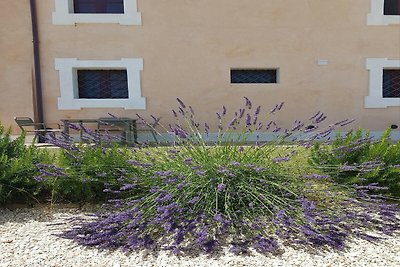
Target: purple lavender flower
{"type": "Point", "coordinates": [127, 187]}
{"type": "Point", "coordinates": [241, 113]}
{"type": "Point", "coordinates": [180, 186]}
{"type": "Point", "coordinates": [259, 169]}
{"type": "Point", "coordinates": [316, 176]}
{"type": "Point", "coordinates": [174, 113]}
{"type": "Point", "coordinates": [218, 217]}
{"type": "Point", "coordinates": [220, 187]}
{"type": "Point", "coordinates": [188, 161]}
{"type": "Point", "coordinates": [280, 159]}
{"type": "Point", "coordinates": [232, 123]}
{"type": "Point", "coordinates": [163, 173]}
{"type": "Point", "coordinates": [38, 178]}
{"type": "Point", "coordinates": [163, 197]}
{"type": "Point", "coordinates": [194, 200]}
{"type": "Point", "coordinates": [181, 103]}
{"type": "Point", "coordinates": [171, 180]}
{"type": "Point", "coordinates": [265, 245]}
{"type": "Point", "coordinates": [200, 173]}
{"type": "Point", "coordinates": [181, 133]}
{"type": "Point", "coordinates": [248, 119]}
{"type": "Point", "coordinates": [348, 168]}
{"type": "Point", "coordinates": [316, 114]}
{"type": "Point", "coordinates": [154, 189]}
{"type": "Point", "coordinates": [156, 120]}
{"type": "Point", "coordinates": [223, 110]}
{"type": "Point", "coordinates": [202, 235]}
{"type": "Point", "coordinates": [248, 103]}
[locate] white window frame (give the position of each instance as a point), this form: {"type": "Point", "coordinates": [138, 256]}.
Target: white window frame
{"type": "Point", "coordinates": [375, 98]}
{"type": "Point", "coordinates": [376, 17]}
{"type": "Point", "coordinates": [64, 14]}
{"type": "Point", "coordinates": [69, 99]}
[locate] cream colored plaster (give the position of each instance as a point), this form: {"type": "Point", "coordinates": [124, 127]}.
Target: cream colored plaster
{"type": "Point", "coordinates": [188, 48]}
{"type": "Point", "coordinates": [15, 62]}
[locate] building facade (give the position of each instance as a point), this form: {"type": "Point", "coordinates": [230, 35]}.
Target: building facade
{"type": "Point", "coordinates": [136, 56]}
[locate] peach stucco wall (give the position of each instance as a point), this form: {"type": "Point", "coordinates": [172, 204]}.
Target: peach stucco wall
{"type": "Point", "coordinates": [16, 61]}
{"type": "Point", "coordinates": [189, 47]}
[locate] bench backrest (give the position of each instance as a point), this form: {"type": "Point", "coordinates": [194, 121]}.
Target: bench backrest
{"type": "Point", "coordinates": [24, 121]}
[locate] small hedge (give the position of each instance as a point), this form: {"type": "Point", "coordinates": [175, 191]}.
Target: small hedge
{"type": "Point", "coordinates": [359, 160]}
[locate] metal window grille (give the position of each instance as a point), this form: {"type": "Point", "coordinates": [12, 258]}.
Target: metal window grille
{"type": "Point", "coordinates": [99, 6]}
{"type": "Point", "coordinates": [102, 84]}
{"type": "Point", "coordinates": [391, 83]}
{"type": "Point", "coordinates": [391, 7]}
{"type": "Point", "coordinates": [254, 76]}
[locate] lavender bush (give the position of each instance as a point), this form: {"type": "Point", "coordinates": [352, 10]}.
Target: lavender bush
{"type": "Point", "coordinates": [17, 166]}
{"type": "Point", "coordinates": [358, 159]}
{"type": "Point", "coordinates": [82, 170]}
{"type": "Point", "coordinates": [201, 193]}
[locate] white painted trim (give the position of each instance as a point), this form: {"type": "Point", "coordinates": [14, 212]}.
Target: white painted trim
{"type": "Point", "coordinates": [375, 97]}
{"type": "Point", "coordinates": [64, 15]}
{"type": "Point", "coordinates": [69, 99]}
{"type": "Point", "coordinates": [376, 16]}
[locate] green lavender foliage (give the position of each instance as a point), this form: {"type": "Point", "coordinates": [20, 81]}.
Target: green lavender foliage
{"type": "Point", "coordinates": [358, 159]}
{"type": "Point", "coordinates": [17, 167]}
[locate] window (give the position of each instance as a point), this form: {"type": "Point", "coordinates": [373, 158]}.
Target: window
{"type": "Point", "coordinates": [254, 76]}
{"type": "Point", "coordinates": [99, 6]}
{"type": "Point", "coordinates": [384, 83]}
{"type": "Point", "coordinates": [70, 12]}
{"type": "Point", "coordinates": [391, 83]}
{"type": "Point", "coordinates": [391, 7]}
{"type": "Point", "coordinates": [384, 12]}
{"type": "Point", "coordinates": [100, 83]}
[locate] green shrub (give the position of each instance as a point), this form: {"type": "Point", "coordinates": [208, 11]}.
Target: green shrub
{"type": "Point", "coordinates": [358, 159]}
{"type": "Point", "coordinates": [17, 168]}
{"type": "Point", "coordinates": [82, 170]}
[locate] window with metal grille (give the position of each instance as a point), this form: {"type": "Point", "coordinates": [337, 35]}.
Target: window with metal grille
{"type": "Point", "coordinates": [99, 6]}
{"type": "Point", "coordinates": [103, 84]}
{"type": "Point", "coordinates": [254, 75]}
{"type": "Point", "coordinates": [391, 84]}
{"type": "Point", "coordinates": [391, 7]}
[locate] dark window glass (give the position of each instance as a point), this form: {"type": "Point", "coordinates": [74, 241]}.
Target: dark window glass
{"type": "Point", "coordinates": [99, 6]}
{"type": "Point", "coordinates": [391, 83]}
{"type": "Point", "coordinates": [253, 76]}
{"type": "Point", "coordinates": [102, 84]}
{"type": "Point", "coordinates": [391, 7]}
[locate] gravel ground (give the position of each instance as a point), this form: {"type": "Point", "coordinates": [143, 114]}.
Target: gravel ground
{"type": "Point", "coordinates": [26, 239]}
